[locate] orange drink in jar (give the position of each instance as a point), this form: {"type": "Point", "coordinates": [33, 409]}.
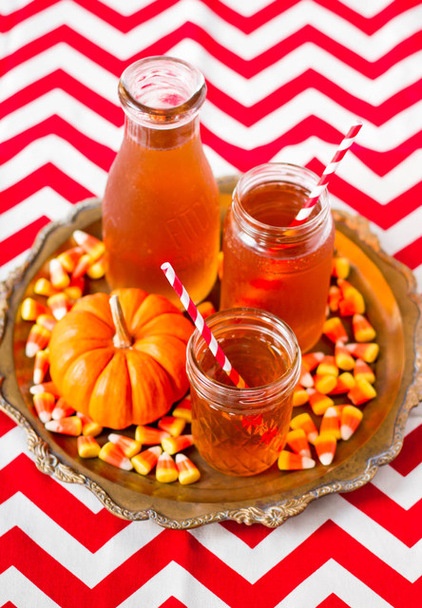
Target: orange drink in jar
{"type": "Point", "coordinates": [270, 264]}
{"type": "Point", "coordinates": [240, 431]}
{"type": "Point", "coordinates": [161, 198]}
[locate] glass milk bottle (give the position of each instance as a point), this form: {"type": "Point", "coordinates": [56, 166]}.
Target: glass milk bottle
{"type": "Point", "coordinates": [161, 198]}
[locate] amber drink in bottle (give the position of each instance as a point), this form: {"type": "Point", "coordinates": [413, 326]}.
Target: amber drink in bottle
{"type": "Point", "coordinates": [161, 198]}
{"type": "Point", "coordinates": [270, 264]}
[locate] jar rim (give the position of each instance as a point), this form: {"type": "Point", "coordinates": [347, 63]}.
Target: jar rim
{"type": "Point", "coordinates": [182, 83]}
{"type": "Point", "coordinates": [245, 397]}
{"type": "Point", "coordinates": [281, 172]}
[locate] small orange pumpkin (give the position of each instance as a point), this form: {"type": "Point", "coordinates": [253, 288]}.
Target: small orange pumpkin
{"type": "Point", "coordinates": [121, 359]}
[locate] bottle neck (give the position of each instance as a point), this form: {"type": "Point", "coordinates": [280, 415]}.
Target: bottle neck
{"type": "Point", "coordinates": [151, 137]}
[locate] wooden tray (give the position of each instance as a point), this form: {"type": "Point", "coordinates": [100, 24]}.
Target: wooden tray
{"type": "Point", "coordinates": [271, 497]}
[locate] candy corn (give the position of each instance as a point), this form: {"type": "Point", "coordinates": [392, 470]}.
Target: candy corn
{"type": "Point", "coordinates": [345, 382]}
{"type": "Point", "coordinates": [75, 288]}
{"type": "Point", "coordinates": [166, 470]}
{"type": "Point", "coordinates": [69, 258]}
{"type": "Point", "coordinates": [59, 303]}
{"type": "Point", "coordinates": [319, 402]}
{"type": "Point", "coordinates": [334, 296]}
{"type": "Point", "coordinates": [305, 378]}
{"type": "Point", "coordinates": [97, 269]}
{"type": "Point", "coordinates": [331, 422]}
{"type": "Point", "coordinates": [289, 461]}
{"type": "Point", "coordinates": [94, 247]}
{"type": "Point", "coordinates": [58, 276]}
{"type": "Point", "coordinates": [130, 447]}
{"type": "Point", "coordinates": [47, 321]}
{"type": "Point", "coordinates": [183, 410]}
{"type": "Point", "coordinates": [305, 422]}
{"type": "Point", "coordinates": [65, 426]}
{"type": "Point", "coordinates": [41, 366]}
{"type": "Point", "coordinates": [351, 418]}
{"type": "Point", "coordinates": [172, 445]}
{"type": "Point", "coordinates": [298, 442]}
{"type": "Point", "coordinates": [145, 461]}
{"type": "Point", "coordinates": [38, 339]}
{"type": "Point", "coordinates": [113, 455]}
{"type": "Point", "coordinates": [362, 329]}
{"type": "Point", "coordinates": [311, 360]}
{"type": "Point", "coordinates": [325, 383]}
{"type": "Point", "coordinates": [90, 428]}
{"type": "Point", "coordinates": [172, 424]}
{"type": "Point", "coordinates": [44, 387]}
{"type": "Point", "coordinates": [188, 471]}
{"type": "Point", "coordinates": [62, 410]}
{"type": "Point", "coordinates": [368, 351]}
{"type": "Point", "coordinates": [363, 370]}
{"type": "Point", "coordinates": [43, 287]}
{"type": "Point", "coordinates": [343, 358]}
{"type": "Point", "coordinates": [300, 396]}
{"type": "Point", "coordinates": [31, 309]}
{"type": "Point", "coordinates": [82, 266]}
{"type": "Point", "coordinates": [148, 435]}
{"type": "Point", "coordinates": [341, 267]}
{"type": "Point", "coordinates": [88, 447]}
{"type": "Point", "coordinates": [44, 405]}
{"type": "Point", "coordinates": [362, 392]}
{"type": "Point", "coordinates": [351, 301]}
{"type": "Point", "coordinates": [325, 446]}
{"type": "Point", "coordinates": [334, 329]}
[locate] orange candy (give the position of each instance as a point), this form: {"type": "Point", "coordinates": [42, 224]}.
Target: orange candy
{"type": "Point", "coordinates": [188, 471]}
{"type": "Point", "coordinates": [331, 422]}
{"type": "Point", "coordinates": [351, 418]}
{"type": "Point", "coordinates": [305, 422]}
{"type": "Point", "coordinates": [341, 267]}
{"type": "Point", "coordinates": [60, 304]}
{"type": "Point", "coordinates": [172, 445]}
{"type": "Point", "coordinates": [368, 351]}
{"type": "Point", "coordinates": [363, 370]}
{"type": "Point", "coordinates": [47, 321]}
{"type": "Point", "coordinates": [335, 331]}
{"type": "Point", "coordinates": [31, 309]}
{"type": "Point", "coordinates": [148, 435]}
{"type": "Point", "coordinates": [300, 396]}
{"type": "Point", "coordinates": [319, 402]}
{"type": "Point", "coordinates": [65, 426]}
{"type": "Point", "coordinates": [289, 461]}
{"type": "Point", "coordinates": [351, 301]}
{"type": "Point", "coordinates": [362, 329]}
{"type": "Point", "coordinates": [345, 382]}
{"type": "Point", "coordinates": [41, 366]}
{"type": "Point", "coordinates": [325, 383]}
{"type": "Point", "coordinates": [298, 442]}
{"type": "Point", "coordinates": [44, 387]}
{"type": "Point", "coordinates": [112, 454]}
{"type": "Point", "coordinates": [88, 447]}
{"type": "Point", "coordinates": [38, 339]}
{"type": "Point", "coordinates": [69, 258]}
{"type": "Point", "coordinates": [90, 428]}
{"type": "Point", "coordinates": [130, 447]}
{"type": "Point", "coordinates": [343, 358]}
{"type": "Point", "coordinates": [362, 392]}
{"type": "Point", "coordinates": [94, 247]}
{"type": "Point", "coordinates": [58, 276]}
{"type": "Point", "coordinates": [311, 360]}
{"type": "Point", "coordinates": [44, 405]}
{"type": "Point", "coordinates": [166, 470]}
{"type": "Point", "coordinates": [183, 410]}
{"type": "Point", "coordinates": [43, 287]}
{"type": "Point", "coordinates": [325, 446]}
{"type": "Point", "coordinates": [61, 410]}
{"type": "Point", "coordinates": [172, 424]}
{"type": "Point", "coordinates": [145, 461]}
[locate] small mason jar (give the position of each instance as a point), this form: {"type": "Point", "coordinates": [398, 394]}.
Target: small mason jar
{"type": "Point", "coordinates": [161, 199]}
{"type": "Point", "coordinates": [241, 431]}
{"type": "Point", "coordinates": [270, 264]}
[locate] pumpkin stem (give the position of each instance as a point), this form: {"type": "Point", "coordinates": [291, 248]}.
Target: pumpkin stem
{"type": "Point", "coordinates": [121, 338]}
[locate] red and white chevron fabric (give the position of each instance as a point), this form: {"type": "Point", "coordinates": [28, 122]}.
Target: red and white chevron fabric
{"type": "Point", "coordinates": [286, 78]}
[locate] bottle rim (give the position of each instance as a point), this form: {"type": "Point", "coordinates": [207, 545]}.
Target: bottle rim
{"type": "Point", "coordinates": [181, 86]}
{"type": "Point", "coordinates": [244, 400]}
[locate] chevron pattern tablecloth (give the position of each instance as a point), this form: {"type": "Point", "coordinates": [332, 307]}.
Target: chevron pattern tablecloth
{"type": "Point", "coordinates": [285, 79]}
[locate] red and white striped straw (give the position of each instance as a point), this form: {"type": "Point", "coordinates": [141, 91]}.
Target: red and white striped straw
{"type": "Point", "coordinates": [201, 326]}
{"type": "Point", "coordinates": [306, 210]}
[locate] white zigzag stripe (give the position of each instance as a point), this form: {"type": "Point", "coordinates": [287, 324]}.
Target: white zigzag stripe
{"type": "Point", "coordinates": [12, 444]}
{"type": "Point", "coordinates": [52, 149]}
{"type": "Point", "coordinates": [89, 567]}
{"type": "Point", "coordinates": [367, 9]}
{"type": "Point", "coordinates": [246, 91]}
{"type": "Point", "coordinates": [44, 202]}
{"type": "Point", "coordinates": [405, 491]}
{"type": "Point", "coordinates": [252, 564]}
{"type": "Point", "coordinates": [64, 156]}
{"type": "Point", "coordinates": [173, 580]}
{"type": "Point", "coordinates": [17, 589]}
{"type": "Point", "coordinates": [331, 578]}
{"type": "Point", "coordinates": [125, 44]}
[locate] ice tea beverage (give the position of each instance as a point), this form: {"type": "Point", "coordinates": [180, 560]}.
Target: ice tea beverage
{"type": "Point", "coordinates": [270, 265]}
{"type": "Point", "coordinates": [161, 198]}
{"type": "Point", "coordinates": [241, 431]}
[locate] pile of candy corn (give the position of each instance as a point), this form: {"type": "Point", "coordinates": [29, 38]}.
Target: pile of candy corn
{"type": "Point", "coordinates": [345, 374]}
{"type": "Point", "coordinates": [63, 285]}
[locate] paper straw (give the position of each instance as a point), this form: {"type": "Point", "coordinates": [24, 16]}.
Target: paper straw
{"type": "Point", "coordinates": [306, 210]}
{"type": "Point", "coordinates": [201, 326]}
